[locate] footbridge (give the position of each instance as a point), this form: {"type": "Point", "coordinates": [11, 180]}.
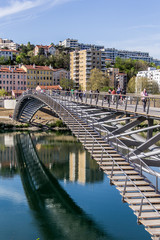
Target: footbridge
{"type": "Point", "coordinates": [108, 128]}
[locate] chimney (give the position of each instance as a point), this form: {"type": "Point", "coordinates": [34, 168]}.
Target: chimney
{"type": "Point", "coordinates": [10, 68]}
{"type": "Point", "coordinates": [34, 65]}
{"type": "Point", "coordinates": [50, 66]}
{"type": "Point", "coordinates": [19, 66]}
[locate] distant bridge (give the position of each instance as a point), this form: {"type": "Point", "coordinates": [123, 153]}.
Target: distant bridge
{"type": "Point", "coordinates": [95, 120]}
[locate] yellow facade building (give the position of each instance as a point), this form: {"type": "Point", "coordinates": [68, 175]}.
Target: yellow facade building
{"type": "Point", "coordinates": [38, 75]}
{"type": "Point", "coordinates": [81, 64]}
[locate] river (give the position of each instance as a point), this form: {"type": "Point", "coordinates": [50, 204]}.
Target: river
{"type": "Point", "coordinates": [51, 189]}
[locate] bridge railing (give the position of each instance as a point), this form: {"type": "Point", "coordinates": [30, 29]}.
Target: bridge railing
{"type": "Point", "coordinates": [130, 103]}
{"type": "Point", "coordinates": [67, 119]}
{"type": "Point", "coordinates": [120, 147]}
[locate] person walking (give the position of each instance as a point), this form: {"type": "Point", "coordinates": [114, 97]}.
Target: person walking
{"type": "Point", "coordinates": [113, 97]}
{"type": "Point", "coordinates": [144, 99]}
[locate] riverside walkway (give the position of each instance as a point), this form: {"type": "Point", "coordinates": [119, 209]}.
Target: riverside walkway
{"type": "Point", "coordinates": [89, 119]}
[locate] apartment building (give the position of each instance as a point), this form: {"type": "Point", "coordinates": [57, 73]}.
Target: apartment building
{"type": "Point", "coordinates": [38, 75]}
{"type": "Point", "coordinates": [12, 78]}
{"type": "Point", "coordinates": [43, 75]}
{"type": "Point", "coordinates": [6, 53]}
{"type": "Point", "coordinates": [81, 64]}
{"type": "Point", "coordinates": [112, 73]}
{"type": "Point", "coordinates": [112, 53]}
{"type": "Point", "coordinates": [74, 44]}
{"type": "Point", "coordinates": [116, 78]}
{"type": "Point", "coordinates": [121, 81]}
{"type": "Point", "coordinates": [6, 43]}
{"type": "Point", "coordinates": [69, 43]}
{"type": "Point", "coordinates": [59, 74]}
{"type": "Point", "coordinates": [45, 50]}
{"type": "Point", "coordinates": [152, 74]}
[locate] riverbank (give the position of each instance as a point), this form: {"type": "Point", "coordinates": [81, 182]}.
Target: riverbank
{"type": "Point", "coordinates": [39, 121]}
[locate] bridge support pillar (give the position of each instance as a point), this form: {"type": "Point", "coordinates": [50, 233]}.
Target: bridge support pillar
{"type": "Point", "coordinates": [150, 131]}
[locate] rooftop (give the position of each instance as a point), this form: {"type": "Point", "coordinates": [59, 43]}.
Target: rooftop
{"type": "Point", "coordinates": [11, 70]}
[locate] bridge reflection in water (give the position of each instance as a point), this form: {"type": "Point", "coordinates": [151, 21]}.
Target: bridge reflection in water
{"type": "Point", "coordinates": [58, 215]}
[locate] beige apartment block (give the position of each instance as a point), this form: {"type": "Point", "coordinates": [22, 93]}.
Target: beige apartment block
{"type": "Point", "coordinates": [81, 64]}
{"type": "Point", "coordinates": [112, 74]}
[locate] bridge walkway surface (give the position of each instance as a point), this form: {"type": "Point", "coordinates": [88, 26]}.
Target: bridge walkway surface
{"type": "Point", "coordinates": [136, 189]}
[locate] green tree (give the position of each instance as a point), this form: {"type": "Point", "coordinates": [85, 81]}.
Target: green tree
{"type": "Point", "coordinates": [141, 83]}
{"type": "Point", "coordinates": [67, 83]}
{"type": "Point", "coordinates": [2, 92]}
{"type": "Point", "coordinates": [130, 67]}
{"type": "Point", "coordinates": [97, 80]}
{"type": "Point", "coordinates": [131, 85]}
{"type": "Point", "coordinates": [155, 88]}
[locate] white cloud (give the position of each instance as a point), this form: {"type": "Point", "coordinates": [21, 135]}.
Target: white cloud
{"type": "Point", "coordinates": [17, 6]}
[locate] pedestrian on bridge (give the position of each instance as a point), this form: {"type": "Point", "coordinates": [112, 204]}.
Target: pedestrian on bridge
{"type": "Point", "coordinates": [144, 99]}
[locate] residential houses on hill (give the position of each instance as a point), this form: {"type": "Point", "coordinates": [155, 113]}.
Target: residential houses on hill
{"type": "Point", "coordinates": [8, 53]}
{"type": "Point", "coordinates": [45, 50]}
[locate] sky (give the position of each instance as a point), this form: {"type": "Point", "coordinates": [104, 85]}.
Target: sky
{"type": "Point", "coordinates": [121, 24]}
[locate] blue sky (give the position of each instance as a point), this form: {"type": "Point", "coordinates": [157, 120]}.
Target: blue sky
{"type": "Point", "coordinates": [123, 24]}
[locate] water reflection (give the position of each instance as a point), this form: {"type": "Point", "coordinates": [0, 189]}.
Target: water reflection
{"type": "Point", "coordinates": [8, 160]}
{"type": "Point", "coordinates": [58, 216]}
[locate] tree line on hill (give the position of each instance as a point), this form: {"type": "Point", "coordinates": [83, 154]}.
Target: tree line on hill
{"type": "Point", "coordinates": [26, 56]}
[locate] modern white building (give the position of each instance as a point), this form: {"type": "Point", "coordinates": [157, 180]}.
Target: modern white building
{"type": "Point", "coordinates": [152, 74]}
{"type": "Point", "coordinates": [6, 43]}
{"type": "Point", "coordinates": [112, 53]}
{"type": "Point", "coordinates": [69, 43]}
{"type": "Point", "coordinates": [74, 44]}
